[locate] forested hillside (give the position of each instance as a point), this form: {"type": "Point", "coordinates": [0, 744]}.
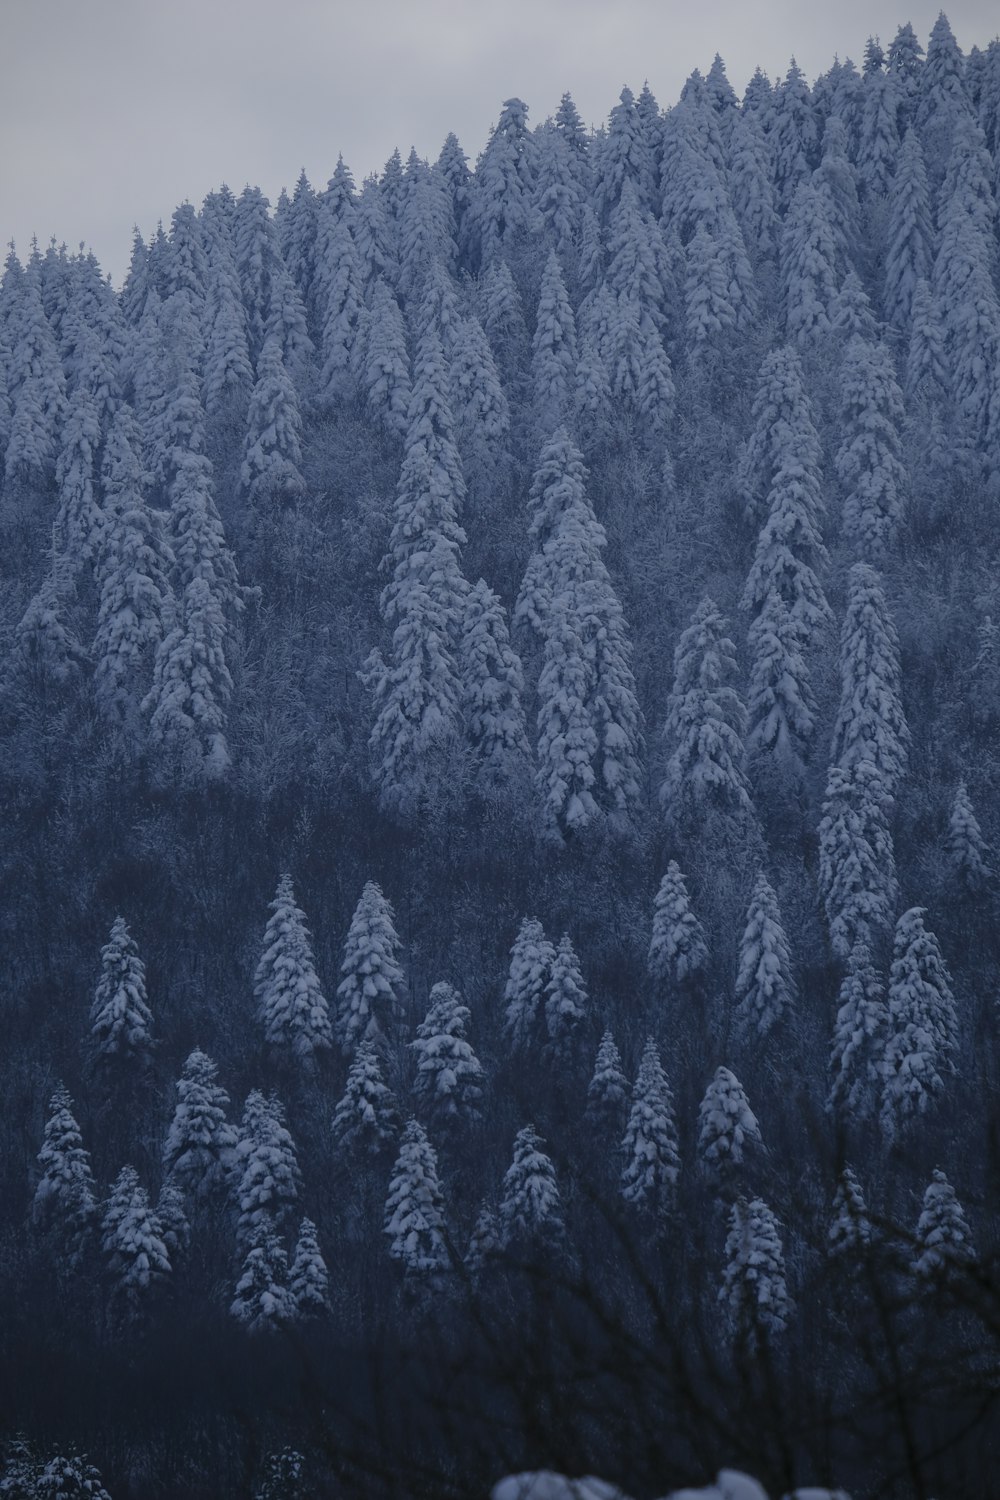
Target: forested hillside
{"type": "Point", "coordinates": [499, 738]}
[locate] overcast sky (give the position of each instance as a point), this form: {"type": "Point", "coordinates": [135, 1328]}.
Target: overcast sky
{"type": "Point", "coordinates": [114, 111]}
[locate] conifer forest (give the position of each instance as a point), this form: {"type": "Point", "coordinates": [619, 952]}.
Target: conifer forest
{"type": "Point", "coordinates": [499, 747]}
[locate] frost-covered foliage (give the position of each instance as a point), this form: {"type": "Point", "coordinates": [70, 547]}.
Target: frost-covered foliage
{"type": "Point", "coordinates": [414, 1208]}
{"type": "Point", "coordinates": [64, 1203]}
{"type": "Point", "coordinates": [120, 1019]}
{"type": "Point", "coordinates": [365, 1120]}
{"type": "Point", "coordinates": [266, 1176]}
{"type": "Point", "coordinates": [366, 995]}
{"type": "Point", "coordinates": [531, 1216]}
{"type": "Point", "coordinates": [921, 1027]}
{"type": "Point", "coordinates": [290, 1003]}
{"type": "Point", "coordinates": [649, 1146]}
{"type": "Point", "coordinates": [449, 1075]}
{"type": "Point", "coordinates": [727, 1124]}
{"type": "Point", "coordinates": [677, 950]}
{"type": "Point", "coordinates": [943, 1243]}
{"type": "Point", "coordinates": [754, 1289]}
{"type": "Point", "coordinates": [199, 1147]}
{"type": "Point", "coordinates": [764, 987]}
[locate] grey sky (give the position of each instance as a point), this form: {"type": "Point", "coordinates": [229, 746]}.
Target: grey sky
{"type": "Point", "coordinates": [114, 111]}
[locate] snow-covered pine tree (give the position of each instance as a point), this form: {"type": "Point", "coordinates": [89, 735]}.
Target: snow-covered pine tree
{"type": "Point", "coordinates": [272, 447]}
{"type": "Point", "coordinates": [850, 1231]}
{"type": "Point", "coordinates": [677, 950]}
{"type": "Point", "coordinates": [291, 1005]}
{"type": "Point", "coordinates": [790, 553]}
{"type": "Point", "coordinates": [78, 520]}
{"type": "Point", "coordinates": [64, 1204]}
{"type": "Point", "coordinates": [943, 1245]}
{"type": "Point", "coordinates": [554, 355]}
{"type": "Point", "coordinates": [174, 1225]}
{"type": "Point", "coordinates": [309, 1279]}
{"type": "Point", "coordinates": [192, 685]}
{"type": "Point", "coordinates": [754, 1287]}
{"type": "Point", "coordinates": [649, 1146]}
{"type": "Point", "coordinates": [480, 408]}
{"type": "Point", "coordinates": [705, 722]}
{"type": "Point", "coordinates": [910, 234]}
{"type": "Point", "coordinates": [878, 138]}
{"type": "Point", "coordinates": [792, 133]}
{"type": "Point", "coordinates": [120, 1019]}
{"type": "Point", "coordinates": [492, 684]}
{"type": "Point", "coordinates": [764, 988]}
{"type": "Point", "coordinates": [198, 1152]}
{"type": "Point", "coordinates": [922, 1025]}
{"type": "Point", "coordinates": [808, 266]}
{"type": "Point", "coordinates": [868, 461]}
{"type": "Point", "coordinates": [857, 867]}
{"type": "Point", "coordinates": [858, 1038]}
{"type": "Point", "coordinates": [531, 1218]}
{"type": "Point", "coordinates": [263, 1302]}
{"type": "Point", "coordinates": [566, 1003]}
{"type": "Point", "coordinates": [780, 705]}
{"type": "Point", "coordinates": [365, 1121]}
{"type": "Point", "coordinates": [965, 845]}
{"type": "Point", "coordinates": [483, 1249]}
{"type": "Point", "coordinates": [449, 1076]}
{"type": "Point", "coordinates": [783, 427]}
{"type": "Point", "coordinates": [414, 1208]}
{"type": "Point", "coordinates": [386, 370]}
{"type": "Point", "coordinates": [531, 961]}
{"type": "Point", "coordinates": [266, 1175]}
{"type": "Point", "coordinates": [366, 995]}
{"type": "Point", "coordinates": [870, 724]}
{"type": "Point", "coordinates": [727, 1124]}
{"type": "Point", "coordinates": [608, 1092]}
{"type": "Point", "coordinates": [132, 1240]}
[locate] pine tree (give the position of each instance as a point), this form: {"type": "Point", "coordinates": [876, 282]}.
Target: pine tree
{"type": "Point", "coordinates": [677, 949]}
{"type": "Point", "coordinates": [502, 207]}
{"type": "Point", "coordinates": [808, 266]}
{"type": "Point", "coordinates": [554, 355]}
{"type": "Point", "coordinates": [530, 1215]}
{"type": "Point", "coordinates": [171, 1216]}
{"type": "Point", "coordinates": [750, 187]}
{"type": "Point", "coordinates": [965, 845]}
{"type": "Point", "coordinates": [492, 684]}
{"type": "Point", "coordinates": [780, 706]}
{"type": "Point", "coordinates": [482, 415]}
{"type": "Point", "coordinates": [132, 1241]}
{"type": "Point", "coordinates": [290, 1003]}
{"type": "Point", "coordinates": [64, 1203]}
{"type": "Point", "coordinates": [386, 371]}
{"type": "Point", "coordinates": [943, 1245]}
{"type": "Point", "coordinates": [792, 133]}
{"type": "Point", "coordinates": [850, 1228]}
{"type": "Point", "coordinates": [309, 1280]}
{"type": "Point", "coordinates": [263, 1302]}
{"type": "Point", "coordinates": [449, 1075]}
{"type": "Point", "coordinates": [132, 572]}
{"type": "Point", "coordinates": [836, 181]}
{"type": "Point", "coordinates": [878, 143]}
{"type": "Point", "coordinates": [910, 233]}
{"type": "Point", "coordinates": [192, 686]}
{"type": "Point", "coordinates": [710, 316]}
{"type": "Point", "coordinates": [649, 1146]}
{"type": "Point", "coordinates": [78, 522]}
{"type": "Point", "coordinates": [926, 378]}
{"type": "Point", "coordinates": [531, 960]}
{"type": "Point", "coordinates": [414, 1208]}
{"type": "Point", "coordinates": [272, 449]}
{"type": "Point", "coordinates": [870, 724]}
{"type": "Point", "coordinates": [566, 1003]}
{"type": "Point", "coordinates": [608, 1092]}
{"type": "Point", "coordinates": [858, 1038]}
{"type": "Point", "coordinates": [922, 1026]}
{"type": "Point", "coordinates": [705, 722]}
{"type": "Point", "coordinates": [589, 722]}
{"type": "Point", "coordinates": [941, 100]}
{"type": "Point", "coordinates": [783, 427]}
{"type": "Point", "coordinates": [371, 972]}
{"type": "Point", "coordinates": [857, 869]}
{"type": "Point", "coordinates": [727, 1124]}
{"type": "Point", "coordinates": [483, 1249]}
{"type": "Point", "coordinates": [198, 1153]}
{"type": "Point", "coordinates": [365, 1119]}
{"type": "Point", "coordinates": [340, 296]}
{"type": "Point", "coordinates": [764, 987]}
{"type": "Point", "coordinates": [622, 156]}
{"type": "Point", "coordinates": [267, 1175]}
{"type": "Point", "coordinates": [868, 461]}
{"type": "Point", "coordinates": [790, 553]}
{"type": "Point", "coordinates": [753, 1282]}
{"type": "Point", "coordinates": [416, 732]}
{"type": "Point", "coordinates": [120, 1020]}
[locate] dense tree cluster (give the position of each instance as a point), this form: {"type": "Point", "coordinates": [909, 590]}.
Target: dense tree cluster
{"type": "Point", "coordinates": [499, 675]}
